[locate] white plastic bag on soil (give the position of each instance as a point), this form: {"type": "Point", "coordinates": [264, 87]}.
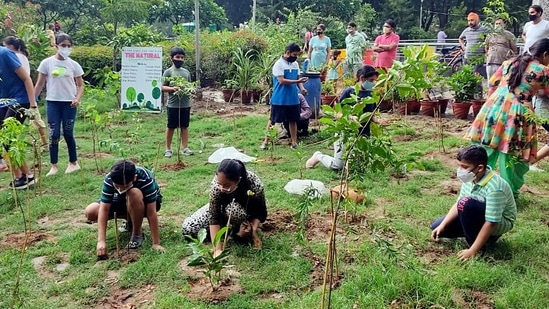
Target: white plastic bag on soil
{"type": "Point", "coordinates": [300, 186]}
{"type": "Point", "coordinates": [228, 153]}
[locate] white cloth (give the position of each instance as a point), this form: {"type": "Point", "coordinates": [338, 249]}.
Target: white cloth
{"type": "Point", "coordinates": [229, 153]}
{"type": "Point", "coordinates": [60, 83]}
{"type": "Point", "coordinates": [534, 32]}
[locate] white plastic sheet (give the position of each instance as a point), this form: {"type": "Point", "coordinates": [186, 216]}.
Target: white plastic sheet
{"type": "Point", "coordinates": [229, 153]}
{"type": "Point", "coordinates": [298, 186]}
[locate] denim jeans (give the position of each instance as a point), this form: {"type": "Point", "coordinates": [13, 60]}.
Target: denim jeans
{"type": "Point", "coordinates": [61, 114]}
{"type": "Point", "coordinates": [469, 222]}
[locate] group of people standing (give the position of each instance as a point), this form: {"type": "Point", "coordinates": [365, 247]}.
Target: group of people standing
{"type": "Point", "coordinates": [62, 77]}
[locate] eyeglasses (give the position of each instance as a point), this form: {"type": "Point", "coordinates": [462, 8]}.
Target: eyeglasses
{"type": "Point", "coordinates": [225, 189]}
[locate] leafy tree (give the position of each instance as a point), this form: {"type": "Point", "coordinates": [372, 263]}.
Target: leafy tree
{"type": "Point", "coordinates": [179, 11]}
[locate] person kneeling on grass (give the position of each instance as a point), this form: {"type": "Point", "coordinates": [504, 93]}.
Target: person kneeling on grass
{"type": "Point", "coordinates": [485, 208]}
{"type": "Point", "coordinates": [132, 191]}
{"type": "Point", "coordinates": [235, 194]}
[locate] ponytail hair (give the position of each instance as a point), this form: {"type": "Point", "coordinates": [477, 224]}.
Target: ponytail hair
{"type": "Point", "coordinates": [520, 63]}
{"type": "Point", "coordinates": [18, 44]}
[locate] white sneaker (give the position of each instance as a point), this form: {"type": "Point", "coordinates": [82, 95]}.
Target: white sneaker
{"type": "Point", "coordinates": [72, 168]}
{"type": "Point", "coordinates": [187, 152]}
{"type": "Point", "coordinates": [168, 153]}
{"type": "Point", "coordinates": [53, 171]}
{"type": "Point", "coordinates": [534, 168]}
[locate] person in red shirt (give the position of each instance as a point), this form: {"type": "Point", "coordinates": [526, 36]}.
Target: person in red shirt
{"type": "Point", "coordinates": [386, 45]}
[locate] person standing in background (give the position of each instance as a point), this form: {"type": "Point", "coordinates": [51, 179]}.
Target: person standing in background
{"type": "Point", "coordinates": [441, 38]}
{"type": "Point", "coordinates": [537, 28]}
{"type": "Point", "coordinates": [307, 38]}
{"type": "Point", "coordinates": [320, 47]}
{"type": "Point", "coordinates": [355, 45]}
{"type": "Point", "coordinates": [470, 41]}
{"type": "Point", "coordinates": [386, 45]}
{"type": "Point", "coordinates": [500, 46]}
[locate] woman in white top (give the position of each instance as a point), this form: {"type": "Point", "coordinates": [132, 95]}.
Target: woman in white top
{"type": "Point", "coordinates": [65, 87]}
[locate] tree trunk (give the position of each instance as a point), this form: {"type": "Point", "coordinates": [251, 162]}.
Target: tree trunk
{"type": "Point", "coordinates": [544, 5]}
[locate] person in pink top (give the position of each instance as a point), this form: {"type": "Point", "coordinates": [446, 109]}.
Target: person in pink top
{"type": "Point", "coordinates": [386, 45]}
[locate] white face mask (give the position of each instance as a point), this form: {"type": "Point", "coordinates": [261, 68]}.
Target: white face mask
{"type": "Point", "coordinates": [64, 52]}
{"type": "Point", "coordinates": [465, 175]}
{"type": "Point", "coordinates": [122, 191]}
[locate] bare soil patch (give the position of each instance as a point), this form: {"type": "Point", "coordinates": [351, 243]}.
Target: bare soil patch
{"type": "Point", "coordinates": [98, 155]}
{"type": "Point", "coordinates": [127, 298]}
{"type": "Point", "coordinates": [201, 289]}
{"type": "Point", "coordinates": [16, 240]}
{"type": "Point", "coordinates": [472, 299]}
{"type": "Point", "coordinates": [434, 254]}
{"type": "Point", "coordinates": [177, 166]}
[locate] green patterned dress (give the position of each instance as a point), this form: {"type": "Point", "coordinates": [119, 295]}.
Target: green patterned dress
{"type": "Point", "coordinates": [501, 123]}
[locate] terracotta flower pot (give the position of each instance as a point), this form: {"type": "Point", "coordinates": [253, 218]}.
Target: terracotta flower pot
{"type": "Point", "coordinates": [246, 96]}
{"type": "Point", "coordinates": [443, 103]}
{"type": "Point", "coordinates": [477, 105]}
{"type": "Point", "coordinates": [461, 110]}
{"type": "Point", "coordinates": [328, 99]}
{"type": "Point", "coordinates": [409, 107]}
{"type": "Point", "coordinates": [428, 107]}
{"type": "Point", "coordinates": [385, 106]}
{"type": "Point", "coordinates": [228, 95]}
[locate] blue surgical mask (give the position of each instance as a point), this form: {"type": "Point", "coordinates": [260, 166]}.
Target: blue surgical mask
{"type": "Point", "coordinates": [368, 85]}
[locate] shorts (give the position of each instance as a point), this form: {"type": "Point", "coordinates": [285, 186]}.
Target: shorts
{"type": "Point", "coordinates": [118, 205]}
{"type": "Point", "coordinates": [178, 117]}
{"type": "Point", "coordinates": [283, 113]}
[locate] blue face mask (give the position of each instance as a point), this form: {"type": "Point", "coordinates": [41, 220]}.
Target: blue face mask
{"type": "Point", "coordinates": [368, 85]}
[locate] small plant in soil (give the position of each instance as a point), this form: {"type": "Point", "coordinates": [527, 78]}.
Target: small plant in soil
{"type": "Point", "coordinates": [97, 121]}
{"type": "Point", "coordinates": [310, 194]}
{"type": "Point", "coordinates": [204, 256]}
{"type": "Point", "coordinates": [273, 134]}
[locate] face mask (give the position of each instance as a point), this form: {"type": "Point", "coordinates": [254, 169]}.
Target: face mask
{"type": "Point", "coordinates": [532, 17]}
{"type": "Point", "coordinates": [349, 31]}
{"type": "Point", "coordinates": [64, 52]}
{"type": "Point", "coordinates": [124, 190]}
{"type": "Point", "coordinates": [319, 32]}
{"type": "Point", "coordinates": [291, 59]}
{"type": "Point", "coordinates": [177, 63]}
{"type": "Point", "coordinates": [368, 85]}
{"type": "Point", "coordinates": [498, 27]}
{"type": "Point", "coordinates": [465, 175]}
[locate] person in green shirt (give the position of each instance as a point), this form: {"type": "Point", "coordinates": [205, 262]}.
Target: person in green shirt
{"type": "Point", "coordinates": [485, 208]}
{"type": "Point", "coordinates": [355, 44]}
{"type": "Point", "coordinates": [179, 104]}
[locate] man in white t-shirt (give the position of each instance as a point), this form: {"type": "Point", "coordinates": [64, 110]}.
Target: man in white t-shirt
{"type": "Point", "coordinates": [537, 28]}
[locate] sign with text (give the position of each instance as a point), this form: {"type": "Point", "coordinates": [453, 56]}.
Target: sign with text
{"type": "Point", "coordinates": [141, 79]}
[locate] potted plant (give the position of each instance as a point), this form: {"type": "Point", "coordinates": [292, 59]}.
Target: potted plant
{"type": "Point", "coordinates": [328, 96]}
{"type": "Point", "coordinates": [464, 83]}
{"type": "Point", "coordinates": [245, 72]}
{"type": "Point", "coordinates": [229, 89]}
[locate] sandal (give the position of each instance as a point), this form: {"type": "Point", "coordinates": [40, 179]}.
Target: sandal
{"type": "Point", "coordinates": [135, 242]}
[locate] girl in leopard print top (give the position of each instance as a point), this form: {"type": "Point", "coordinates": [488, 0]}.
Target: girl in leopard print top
{"type": "Point", "coordinates": [234, 192]}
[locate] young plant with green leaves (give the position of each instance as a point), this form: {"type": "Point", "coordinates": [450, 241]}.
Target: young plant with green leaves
{"type": "Point", "coordinates": [306, 200]}
{"type": "Point", "coordinates": [186, 88]}
{"type": "Point", "coordinates": [204, 255]}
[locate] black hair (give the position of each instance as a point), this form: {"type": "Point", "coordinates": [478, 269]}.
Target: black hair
{"type": "Point", "coordinates": [366, 71]}
{"type": "Point", "coordinates": [473, 154]}
{"type": "Point", "coordinates": [391, 23]}
{"type": "Point", "coordinates": [321, 26]}
{"type": "Point", "coordinates": [519, 65]}
{"type": "Point", "coordinates": [176, 51]}
{"type": "Point", "coordinates": [292, 48]}
{"type": "Point", "coordinates": [336, 53]}
{"type": "Point", "coordinates": [235, 170]}
{"type": "Point", "coordinates": [62, 37]}
{"type": "Point", "coordinates": [19, 44]}
{"type": "Point", "coordinates": [352, 24]}
{"type": "Point", "coordinates": [537, 8]}
{"type": "Point", "coordinates": [122, 172]}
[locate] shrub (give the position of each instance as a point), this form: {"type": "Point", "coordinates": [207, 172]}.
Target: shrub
{"type": "Point", "coordinates": [93, 59]}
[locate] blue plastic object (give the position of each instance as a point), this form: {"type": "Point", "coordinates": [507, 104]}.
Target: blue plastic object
{"type": "Point", "coordinates": [305, 67]}
{"type": "Point", "coordinates": [313, 92]}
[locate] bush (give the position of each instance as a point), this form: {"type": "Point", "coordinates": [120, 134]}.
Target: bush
{"type": "Point", "coordinates": [93, 59]}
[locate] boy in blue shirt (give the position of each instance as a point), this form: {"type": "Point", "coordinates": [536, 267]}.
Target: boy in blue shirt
{"type": "Point", "coordinates": [285, 105]}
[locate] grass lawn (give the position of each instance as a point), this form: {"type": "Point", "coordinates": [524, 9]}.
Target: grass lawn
{"type": "Point", "coordinates": [385, 257]}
